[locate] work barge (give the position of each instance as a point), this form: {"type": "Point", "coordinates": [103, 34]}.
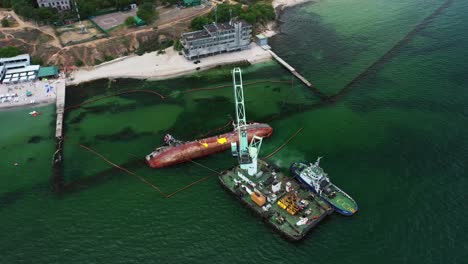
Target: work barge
{"type": "Point", "coordinates": [281, 201]}
{"type": "Point", "coordinates": [285, 204]}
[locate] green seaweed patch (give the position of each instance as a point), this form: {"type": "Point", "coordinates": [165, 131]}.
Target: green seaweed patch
{"type": "Point", "coordinates": [211, 113]}
{"type": "Point", "coordinates": [126, 134]}
{"type": "Point", "coordinates": [110, 108]}
{"type": "Point", "coordinates": [77, 119]}
{"type": "Point", "coordinates": [35, 139]}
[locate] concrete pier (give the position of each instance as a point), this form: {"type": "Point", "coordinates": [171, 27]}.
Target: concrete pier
{"type": "Point", "coordinates": [57, 180]}
{"type": "Point", "coordinates": [60, 107]}
{"type": "Point", "coordinates": [291, 69]}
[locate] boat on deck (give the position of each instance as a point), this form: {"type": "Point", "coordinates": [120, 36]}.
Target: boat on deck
{"type": "Point", "coordinates": [313, 176]}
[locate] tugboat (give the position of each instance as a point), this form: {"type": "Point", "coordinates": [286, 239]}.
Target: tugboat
{"type": "Point", "coordinates": [317, 181]}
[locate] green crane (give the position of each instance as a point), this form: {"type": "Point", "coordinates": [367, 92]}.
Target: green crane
{"type": "Point", "coordinates": [247, 154]}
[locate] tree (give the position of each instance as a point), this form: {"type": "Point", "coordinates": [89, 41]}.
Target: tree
{"type": "Point", "coordinates": [26, 9]}
{"type": "Point", "coordinates": [10, 51]}
{"type": "Point", "coordinates": [47, 14]}
{"type": "Point", "coordinates": [120, 4]}
{"type": "Point", "coordinates": [169, 2]}
{"type": "Point", "coordinates": [198, 22]}
{"type": "Point", "coordinates": [5, 22]}
{"type": "Point", "coordinates": [147, 12]}
{"type": "Point", "coordinates": [257, 13]}
{"type": "Point", "coordinates": [177, 45]}
{"type": "Point", "coordinates": [129, 21]}
{"type": "Point", "coordinates": [87, 8]}
{"type": "Point", "coordinates": [5, 3]}
{"type": "Point", "coordinates": [226, 11]}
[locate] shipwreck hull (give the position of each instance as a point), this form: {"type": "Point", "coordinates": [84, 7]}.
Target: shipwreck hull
{"type": "Point", "coordinates": [196, 149]}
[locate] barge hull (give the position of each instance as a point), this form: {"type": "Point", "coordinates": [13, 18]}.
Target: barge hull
{"type": "Point", "coordinates": [277, 217]}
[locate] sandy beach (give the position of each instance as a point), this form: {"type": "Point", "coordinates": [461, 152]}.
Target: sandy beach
{"type": "Point", "coordinates": [154, 67]}
{"type": "Point", "coordinates": [15, 95]}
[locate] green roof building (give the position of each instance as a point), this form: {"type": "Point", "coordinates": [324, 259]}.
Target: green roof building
{"type": "Point", "coordinates": [192, 2]}
{"type": "Point", "coordinates": [47, 72]}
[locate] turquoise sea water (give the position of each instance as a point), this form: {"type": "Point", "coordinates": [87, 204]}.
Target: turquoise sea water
{"type": "Point", "coordinates": [396, 140]}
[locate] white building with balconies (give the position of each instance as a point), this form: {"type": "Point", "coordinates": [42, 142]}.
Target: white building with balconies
{"type": "Point", "coordinates": [216, 38]}
{"type": "Point", "coordinates": [59, 4]}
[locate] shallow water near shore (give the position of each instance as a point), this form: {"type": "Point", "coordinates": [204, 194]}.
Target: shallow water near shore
{"type": "Point", "coordinates": [396, 141]}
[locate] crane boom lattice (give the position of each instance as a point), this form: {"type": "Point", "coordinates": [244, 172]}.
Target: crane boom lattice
{"type": "Point", "coordinates": [247, 154]}
{"type": "Point", "coordinates": [244, 157]}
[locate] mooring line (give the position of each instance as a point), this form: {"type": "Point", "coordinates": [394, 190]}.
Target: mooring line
{"type": "Point", "coordinates": [284, 144]}
{"type": "Point", "coordinates": [124, 92]}
{"type": "Point", "coordinates": [225, 86]}
{"type": "Point", "coordinates": [125, 170]}
{"type": "Point", "coordinates": [204, 166]}
{"type": "Point", "coordinates": [188, 186]}
{"type": "Point", "coordinates": [146, 181]}
{"type": "Point", "coordinates": [164, 97]}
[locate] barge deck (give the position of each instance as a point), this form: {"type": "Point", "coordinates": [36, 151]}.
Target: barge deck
{"type": "Point", "coordinates": [280, 200]}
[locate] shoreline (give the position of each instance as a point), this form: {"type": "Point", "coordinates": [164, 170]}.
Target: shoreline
{"type": "Point", "coordinates": [26, 106]}
{"type": "Point", "coordinates": [272, 28]}
{"type": "Point", "coordinates": [41, 94]}
{"type": "Point", "coordinates": [153, 66]}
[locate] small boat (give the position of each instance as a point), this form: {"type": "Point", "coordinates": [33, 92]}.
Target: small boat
{"type": "Point", "coordinates": [317, 181]}
{"type": "Point", "coordinates": [33, 113]}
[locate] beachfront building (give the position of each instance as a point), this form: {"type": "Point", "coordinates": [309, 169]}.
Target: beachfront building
{"type": "Point", "coordinates": [27, 73]}
{"type": "Point", "coordinates": [59, 4]}
{"type": "Point", "coordinates": [48, 72]}
{"type": "Point", "coordinates": [17, 69]}
{"type": "Point", "coordinates": [16, 62]}
{"type": "Point", "coordinates": [216, 38]}
{"type": "Point", "coordinates": [2, 71]}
